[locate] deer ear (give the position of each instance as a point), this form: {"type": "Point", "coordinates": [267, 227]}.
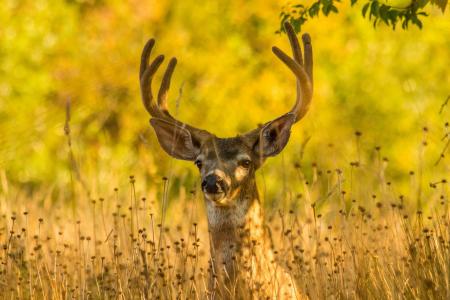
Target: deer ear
{"type": "Point", "coordinates": [274, 136]}
{"type": "Point", "coordinates": [175, 140]}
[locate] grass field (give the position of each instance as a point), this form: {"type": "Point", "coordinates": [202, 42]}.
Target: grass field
{"type": "Point", "coordinates": [365, 242]}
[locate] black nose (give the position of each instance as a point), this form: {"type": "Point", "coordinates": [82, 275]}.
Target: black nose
{"type": "Point", "coordinates": [211, 184]}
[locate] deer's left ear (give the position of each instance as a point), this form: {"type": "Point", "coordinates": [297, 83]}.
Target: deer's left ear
{"type": "Point", "coordinates": [273, 137]}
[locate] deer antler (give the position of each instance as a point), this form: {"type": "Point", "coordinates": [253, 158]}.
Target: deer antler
{"type": "Point", "coordinates": [300, 65]}
{"type": "Point", "coordinates": [302, 69]}
{"type": "Point", "coordinates": [147, 71]}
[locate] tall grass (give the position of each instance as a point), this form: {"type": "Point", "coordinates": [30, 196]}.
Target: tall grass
{"type": "Point", "coordinates": [366, 242]}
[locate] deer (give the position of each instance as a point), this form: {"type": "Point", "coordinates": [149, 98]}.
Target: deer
{"type": "Point", "coordinates": [242, 260]}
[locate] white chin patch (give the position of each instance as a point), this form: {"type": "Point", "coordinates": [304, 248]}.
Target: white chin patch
{"type": "Point", "coordinates": [214, 197]}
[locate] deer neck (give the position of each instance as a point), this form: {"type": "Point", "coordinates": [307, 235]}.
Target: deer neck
{"type": "Point", "coordinates": [236, 231]}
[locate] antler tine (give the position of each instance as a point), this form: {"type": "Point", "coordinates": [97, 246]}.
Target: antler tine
{"type": "Point", "coordinates": [303, 73]}
{"type": "Point", "coordinates": [146, 74]}
{"type": "Point", "coordinates": [146, 86]}
{"type": "Point", "coordinates": [146, 56]}
{"type": "Point", "coordinates": [165, 85]}
{"type": "Point", "coordinates": [296, 50]}
{"type": "Point", "coordinates": [160, 108]}
{"type": "Point", "coordinates": [297, 54]}
{"type": "Point", "coordinates": [308, 56]}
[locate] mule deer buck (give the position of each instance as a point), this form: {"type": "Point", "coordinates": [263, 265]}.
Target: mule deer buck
{"type": "Point", "coordinates": [243, 264]}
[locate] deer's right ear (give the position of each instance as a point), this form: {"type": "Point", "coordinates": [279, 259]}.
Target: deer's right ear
{"type": "Point", "coordinates": [175, 140]}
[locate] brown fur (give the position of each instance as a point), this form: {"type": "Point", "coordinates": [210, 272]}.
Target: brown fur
{"type": "Point", "coordinates": [243, 264]}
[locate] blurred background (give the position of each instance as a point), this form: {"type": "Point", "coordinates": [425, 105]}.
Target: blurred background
{"type": "Point", "coordinates": [379, 93]}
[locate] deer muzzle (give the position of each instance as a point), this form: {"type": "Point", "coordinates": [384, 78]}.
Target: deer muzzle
{"type": "Point", "coordinates": [213, 184]}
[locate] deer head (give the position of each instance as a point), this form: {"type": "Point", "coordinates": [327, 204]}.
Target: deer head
{"type": "Point", "coordinates": [227, 165]}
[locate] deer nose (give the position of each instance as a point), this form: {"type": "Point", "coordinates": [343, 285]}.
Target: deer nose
{"type": "Point", "coordinates": [212, 184]}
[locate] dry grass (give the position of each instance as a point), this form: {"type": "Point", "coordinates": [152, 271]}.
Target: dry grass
{"type": "Point", "coordinates": [365, 243]}
{"type": "Point", "coordinates": [117, 248]}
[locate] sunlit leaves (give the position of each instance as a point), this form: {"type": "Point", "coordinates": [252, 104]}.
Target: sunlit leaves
{"type": "Point", "coordinates": [89, 50]}
{"type": "Point", "coordinates": [390, 12]}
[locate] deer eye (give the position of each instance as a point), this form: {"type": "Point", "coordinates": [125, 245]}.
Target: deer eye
{"type": "Point", "coordinates": [245, 163]}
{"type": "Point", "coordinates": [198, 163]}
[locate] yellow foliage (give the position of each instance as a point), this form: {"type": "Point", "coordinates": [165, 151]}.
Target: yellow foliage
{"type": "Point", "coordinates": [386, 84]}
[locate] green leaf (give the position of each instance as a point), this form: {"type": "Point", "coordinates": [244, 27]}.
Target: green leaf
{"type": "Point", "coordinates": [297, 23]}
{"type": "Point", "coordinates": [392, 15]}
{"type": "Point", "coordinates": [326, 10]}
{"type": "Point", "coordinates": [374, 9]}
{"type": "Point", "coordinates": [405, 24]}
{"type": "Point", "coordinates": [442, 4]}
{"type": "Point", "coordinates": [384, 13]}
{"type": "Point", "coordinates": [416, 21]}
{"type": "Point", "coordinates": [365, 8]}
{"type": "Point", "coordinates": [420, 3]}
{"type": "Point", "coordinates": [314, 9]}
{"type": "Point", "coordinates": [419, 23]}
{"type": "Point", "coordinates": [353, 2]}
{"type": "Point", "coordinates": [334, 9]}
